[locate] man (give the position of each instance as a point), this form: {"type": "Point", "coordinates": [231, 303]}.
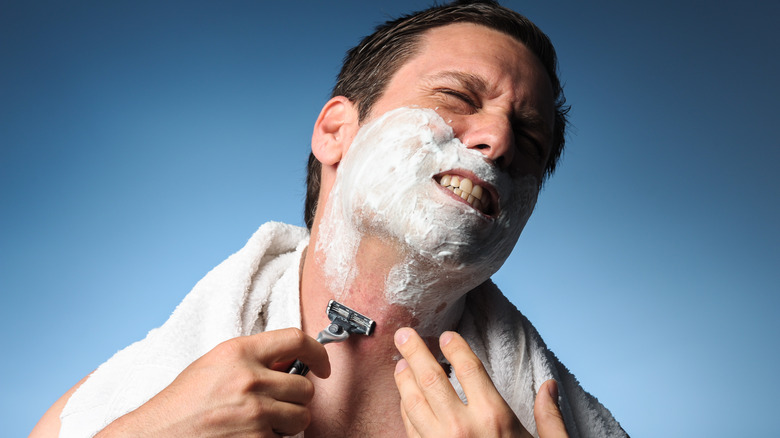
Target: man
{"type": "Point", "coordinates": [425, 166]}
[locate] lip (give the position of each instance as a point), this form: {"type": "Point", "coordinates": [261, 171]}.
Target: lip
{"type": "Point", "coordinates": [493, 208]}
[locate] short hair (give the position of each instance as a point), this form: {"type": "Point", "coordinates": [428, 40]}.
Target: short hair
{"type": "Point", "coordinates": [369, 67]}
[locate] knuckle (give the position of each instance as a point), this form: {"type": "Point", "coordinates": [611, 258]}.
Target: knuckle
{"type": "Point", "coordinates": [458, 430]}
{"type": "Point", "coordinates": [238, 384]}
{"type": "Point", "coordinates": [413, 402]}
{"type": "Point", "coordinates": [230, 349]}
{"type": "Point", "coordinates": [296, 337]}
{"type": "Point", "coordinates": [244, 378]}
{"type": "Point", "coordinates": [498, 418]}
{"type": "Point", "coordinates": [244, 410]}
{"type": "Point", "coordinates": [470, 367]}
{"type": "Point", "coordinates": [253, 408]}
{"type": "Point", "coordinates": [492, 420]}
{"type": "Point", "coordinates": [430, 379]}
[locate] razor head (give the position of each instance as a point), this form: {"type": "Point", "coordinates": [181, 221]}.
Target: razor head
{"type": "Point", "coordinates": [351, 321]}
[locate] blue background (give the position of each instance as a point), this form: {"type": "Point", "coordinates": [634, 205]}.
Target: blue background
{"type": "Point", "coordinates": [143, 142]}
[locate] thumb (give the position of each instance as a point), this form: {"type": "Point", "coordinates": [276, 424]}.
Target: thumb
{"type": "Point", "coordinates": [549, 420]}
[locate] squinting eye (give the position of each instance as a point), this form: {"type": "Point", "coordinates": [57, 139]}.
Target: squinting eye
{"type": "Point", "coordinates": [530, 145]}
{"type": "Point", "coordinates": [461, 97]}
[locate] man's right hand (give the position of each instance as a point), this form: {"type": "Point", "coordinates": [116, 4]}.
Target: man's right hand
{"type": "Point", "coordinates": [239, 387]}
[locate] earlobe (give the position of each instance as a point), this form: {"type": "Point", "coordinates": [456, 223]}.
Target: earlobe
{"type": "Point", "coordinates": [334, 130]}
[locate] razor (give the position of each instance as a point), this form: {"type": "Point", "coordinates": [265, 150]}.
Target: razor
{"type": "Point", "coordinates": [343, 322]}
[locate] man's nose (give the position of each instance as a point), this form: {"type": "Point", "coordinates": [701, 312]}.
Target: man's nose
{"type": "Point", "coordinates": [493, 136]}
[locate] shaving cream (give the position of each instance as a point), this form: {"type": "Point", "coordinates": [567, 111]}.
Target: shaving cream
{"type": "Point", "coordinates": [385, 188]}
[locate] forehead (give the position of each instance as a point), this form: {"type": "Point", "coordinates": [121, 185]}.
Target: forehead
{"type": "Point", "coordinates": [506, 66]}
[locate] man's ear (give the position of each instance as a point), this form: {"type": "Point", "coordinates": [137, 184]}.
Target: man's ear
{"type": "Point", "coordinates": [334, 130]}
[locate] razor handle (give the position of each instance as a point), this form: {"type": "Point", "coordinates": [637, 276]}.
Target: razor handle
{"type": "Point", "coordinates": [298, 367]}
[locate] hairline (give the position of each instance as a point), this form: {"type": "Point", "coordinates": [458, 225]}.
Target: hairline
{"type": "Point", "coordinates": [414, 50]}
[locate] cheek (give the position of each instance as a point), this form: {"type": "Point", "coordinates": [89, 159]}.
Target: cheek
{"type": "Point", "coordinates": [524, 164]}
{"type": "Point", "coordinates": [457, 122]}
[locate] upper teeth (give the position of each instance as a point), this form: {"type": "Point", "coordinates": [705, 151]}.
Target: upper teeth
{"type": "Point", "coordinates": [466, 189]}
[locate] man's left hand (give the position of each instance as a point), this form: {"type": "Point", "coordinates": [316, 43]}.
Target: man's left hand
{"type": "Point", "coordinates": [431, 408]}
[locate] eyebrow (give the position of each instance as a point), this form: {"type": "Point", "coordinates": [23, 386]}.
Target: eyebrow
{"type": "Point", "coordinates": [472, 82]}
{"type": "Point", "coordinates": [528, 117]}
{"type": "Point", "coordinates": [531, 119]}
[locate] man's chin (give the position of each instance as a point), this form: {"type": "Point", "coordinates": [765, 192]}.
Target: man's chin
{"type": "Point", "coordinates": [446, 238]}
{"type": "Point", "coordinates": [470, 256]}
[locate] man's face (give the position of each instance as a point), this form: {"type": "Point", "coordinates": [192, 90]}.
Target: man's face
{"type": "Point", "coordinates": [488, 87]}
{"type": "Point", "coordinates": [397, 179]}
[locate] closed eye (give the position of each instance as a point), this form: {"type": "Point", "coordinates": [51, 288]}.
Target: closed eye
{"type": "Point", "coordinates": [527, 143]}
{"type": "Point", "coordinates": [533, 132]}
{"type": "Point", "coordinates": [462, 97]}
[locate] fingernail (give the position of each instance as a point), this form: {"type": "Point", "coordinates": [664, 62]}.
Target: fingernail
{"type": "Point", "coordinates": [401, 365]}
{"type": "Point", "coordinates": [445, 338]}
{"type": "Point", "coordinates": [552, 388]}
{"type": "Point", "coordinates": [401, 336]}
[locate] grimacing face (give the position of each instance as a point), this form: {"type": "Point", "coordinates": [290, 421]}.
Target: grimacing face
{"type": "Point", "coordinates": [488, 87]}
{"type": "Point", "coordinates": [407, 178]}
{"type": "Point", "coordinates": [446, 167]}
{"type": "Point", "coordinates": [497, 99]}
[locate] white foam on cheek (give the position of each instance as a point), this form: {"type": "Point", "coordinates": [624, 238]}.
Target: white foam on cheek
{"type": "Point", "coordinates": [385, 188]}
{"type": "Point", "coordinates": [338, 241]}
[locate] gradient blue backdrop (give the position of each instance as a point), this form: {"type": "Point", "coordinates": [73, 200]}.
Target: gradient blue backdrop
{"type": "Point", "coordinates": [143, 142]}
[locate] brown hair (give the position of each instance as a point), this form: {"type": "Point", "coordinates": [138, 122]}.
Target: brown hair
{"type": "Point", "coordinates": [369, 66]}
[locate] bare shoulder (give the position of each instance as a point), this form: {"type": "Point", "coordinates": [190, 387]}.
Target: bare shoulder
{"type": "Point", "coordinates": [49, 424]}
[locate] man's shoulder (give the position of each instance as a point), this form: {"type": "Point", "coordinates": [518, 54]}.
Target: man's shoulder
{"type": "Point", "coordinates": [519, 361]}
{"type": "Point", "coordinates": [279, 235]}
{"type": "Point", "coordinates": [272, 239]}
{"type": "Point", "coordinates": [486, 302]}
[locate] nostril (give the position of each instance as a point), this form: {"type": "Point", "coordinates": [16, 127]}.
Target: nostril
{"type": "Point", "coordinates": [501, 161]}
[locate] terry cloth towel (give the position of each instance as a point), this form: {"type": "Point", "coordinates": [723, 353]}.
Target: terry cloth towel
{"type": "Point", "coordinates": [256, 289]}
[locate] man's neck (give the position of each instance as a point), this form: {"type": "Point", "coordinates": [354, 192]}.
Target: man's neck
{"type": "Point", "coordinates": [432, 306]}
{"type": "Point", "coordinates": [362, 385]}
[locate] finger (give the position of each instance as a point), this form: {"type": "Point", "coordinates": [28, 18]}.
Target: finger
{"type": "Point", "coordinates": [411, 432]}
{"type": "Point", "coordinates": [282, 366]}
{"type": "Point", "coordinates": [415, 409]}
{"type": "Point", "coordinates": [288, 419]}
{"type": "Point", "coordinates": [470, 371]}
{"type": "Point", "coordinates": [290, 344]}
{"type": "Point", "coordinates": [549, 420]}
{"type": "Point", "coordinates": [428, 373]}
{"type": "Point", "coordinates": [290, 388]}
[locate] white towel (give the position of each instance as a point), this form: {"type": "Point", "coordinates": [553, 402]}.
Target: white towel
{"type": "Point", "coordinates": [256, 289]}
{"type": "Point", "coordinates": [223, 305]}
{"type": "Point", "coordinates": [518, 362]}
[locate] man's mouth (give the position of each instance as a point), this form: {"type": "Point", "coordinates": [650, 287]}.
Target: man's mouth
{"type": "Point", "coordinates": [474, 194]}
